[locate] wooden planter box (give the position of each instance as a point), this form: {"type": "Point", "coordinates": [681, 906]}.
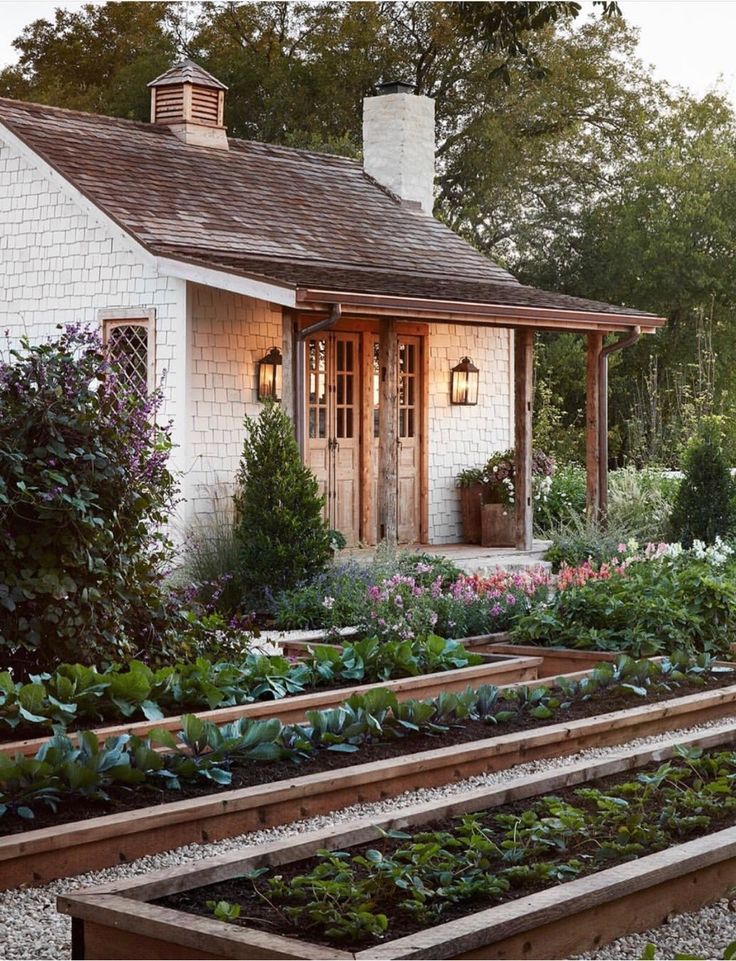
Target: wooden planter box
{"type": "Point", "coordinates": [118, 921]}
{"type": "Point", "coordinates": [555, 660]}
{"type": "Point", "coordinates": [471, 502]}
{"type": "Point", "coordinates": [42, 855]}
{"type": "Point", "coordinates": [498, 669]}
{"type": "Point", "coordinates": [498, 526]}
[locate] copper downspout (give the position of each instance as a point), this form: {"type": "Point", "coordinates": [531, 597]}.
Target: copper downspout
{"type": "Point", "coordinates": [626, 341]}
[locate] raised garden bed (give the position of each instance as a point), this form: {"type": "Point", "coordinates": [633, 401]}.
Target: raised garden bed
{"type": "Point", "coordinates": [499, 669]}
{"type": "Point", "coordinates": [123, 920]}
{"type": "Point", "coordinates": [555, 660]}
{"type": "Point", "coordinates": [44, 853]}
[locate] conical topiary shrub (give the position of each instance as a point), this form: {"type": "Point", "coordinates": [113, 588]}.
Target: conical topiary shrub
{"type": "Point", "coordinates": [705, 506]}
{"type": "Point", "coordinates": [280, 526]}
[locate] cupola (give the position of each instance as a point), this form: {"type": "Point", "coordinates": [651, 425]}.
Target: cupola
{"type": "Point", "coordinates": [190, 102]}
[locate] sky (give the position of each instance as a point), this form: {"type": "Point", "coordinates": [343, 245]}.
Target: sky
{"type": "Point", "coordinates": [689, 42]}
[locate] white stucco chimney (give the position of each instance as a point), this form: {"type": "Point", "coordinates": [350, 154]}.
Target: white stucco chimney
{"type": "Point", "coordinates": [398, 143]}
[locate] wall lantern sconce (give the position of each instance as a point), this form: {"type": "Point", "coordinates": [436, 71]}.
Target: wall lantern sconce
{"type": "Point", "coordinates": [270, 375]}
{"type": "Point", "coordinates": [464, 383]}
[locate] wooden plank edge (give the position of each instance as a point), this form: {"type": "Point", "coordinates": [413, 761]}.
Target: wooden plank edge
{"type": "Point", "coordinates": [362, 830]}
{"type": "Point", "coordinates": [445, 940]}
{"type": "Point", "coordinates": [492, 925]}
{"type": "Point", "coordinates": [569, 735]}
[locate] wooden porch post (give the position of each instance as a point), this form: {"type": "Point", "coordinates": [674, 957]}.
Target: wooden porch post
{"type": "Point", "coordinates": [289, 401]}
{"type": "Point", "coordinates": [388, 450]}
{"type": "Point", "coordinates": [523, 400]}
{"type": "Point", "coordinates": [592, 425]}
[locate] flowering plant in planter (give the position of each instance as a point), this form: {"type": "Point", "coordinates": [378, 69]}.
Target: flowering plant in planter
{"type": "Point", "coordinates": [497, 476]}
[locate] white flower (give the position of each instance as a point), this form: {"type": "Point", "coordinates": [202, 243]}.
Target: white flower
{"type": "Point", "coordinates": [328, 603]}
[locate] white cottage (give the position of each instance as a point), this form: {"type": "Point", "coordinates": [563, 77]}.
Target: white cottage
{"type": "Point", "coordinates": [199, 255]}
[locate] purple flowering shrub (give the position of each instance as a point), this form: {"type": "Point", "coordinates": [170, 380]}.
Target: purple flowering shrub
{"type": "Point", "coordinates": [84, 492]}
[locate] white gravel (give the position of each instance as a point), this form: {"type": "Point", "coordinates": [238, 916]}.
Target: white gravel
{"type": "Point", "coordinates": [30, 928]}
{"type": "Point", "coordinates": [703, 934]}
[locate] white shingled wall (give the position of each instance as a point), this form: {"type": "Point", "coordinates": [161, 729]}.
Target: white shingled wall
{"type": "Point", "coordinates": [58, 265]}
{"type": "Point", "coordinates": [461, 437]}
{"type": "Point", "coordinates": [229, 335]}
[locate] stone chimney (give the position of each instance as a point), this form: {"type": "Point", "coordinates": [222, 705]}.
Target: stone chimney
{"type": "Point", "coordinates": [190, 102]}
{"type": "Point", "coordinates": [398, 143]}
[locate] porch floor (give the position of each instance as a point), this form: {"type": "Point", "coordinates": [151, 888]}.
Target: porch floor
{"type": "Point", "coordinates": [471, 558]}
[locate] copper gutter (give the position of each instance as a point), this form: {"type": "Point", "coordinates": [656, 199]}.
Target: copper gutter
{"type": "Point", "coordinates": [626, 341]}
{"type": "Point", "coordinates": [508, 315]}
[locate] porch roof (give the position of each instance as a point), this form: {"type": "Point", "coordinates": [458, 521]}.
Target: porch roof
{"type": "Point", "coordinates": [310, 223]}
{"type": "Point", "coordinates": [427, 294]}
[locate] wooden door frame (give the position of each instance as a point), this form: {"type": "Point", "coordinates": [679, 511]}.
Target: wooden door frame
{"type": "Point", "coordinates": [367, 328]}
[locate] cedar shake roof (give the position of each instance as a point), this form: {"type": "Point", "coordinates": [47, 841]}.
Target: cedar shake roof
{"type": "Point", "coordinates": [187, 71]}
{"type": "Point", "coordinates": [292, 217]}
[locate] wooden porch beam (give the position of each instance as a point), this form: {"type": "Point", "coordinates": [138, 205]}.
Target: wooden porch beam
{"type": "Point", "coordinates": [592, 426]}
{"type": "Point", "coordinates": [388, 450]}
{"type": "Point", "coordinates": [523, 401]}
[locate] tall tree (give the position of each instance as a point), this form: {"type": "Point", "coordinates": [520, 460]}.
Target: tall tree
{"type": "Point", "coordinates": [95, 58]}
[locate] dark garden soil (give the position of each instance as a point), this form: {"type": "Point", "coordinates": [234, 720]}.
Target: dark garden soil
{"type": "Point", "coordinates": [257, 912]}
{"type": "Point", "coordinates": [251, 773]}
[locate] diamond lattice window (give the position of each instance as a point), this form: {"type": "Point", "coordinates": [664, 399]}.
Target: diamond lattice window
{"type": "Point", "coordinates": [127, 345]}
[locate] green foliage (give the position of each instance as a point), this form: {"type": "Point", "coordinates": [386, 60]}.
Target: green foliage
{"type": "Point", "coordinates": [339, 596]}
{"type": "Point", "coordinates": [84, 494]}
{"type": "Point", "coordinates": [684, 602]}
{"type": "Point", "coordinates": [63, 770]}
{"type": "Point", "coordinates": [74, 695]}
{"type": "Point", "coordinates": [640, 504]}
{"type": "Point", "coordinates": [282, 533]}
{"type": "Point", "coordinates": [413, 877]}
{"type": "Point", "coordinates": [705, 507]}
{"type": "Point", "coordinates": [564, 501]}
{"type": "Point", "coordinates": [96, 58]}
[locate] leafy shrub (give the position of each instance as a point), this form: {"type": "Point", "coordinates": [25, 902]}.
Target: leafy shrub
{"type": "Point", "coordinates": [283, 536]}
{"type": "Point", "coordinates": [705, 507]}
{"type": "Point", "coordinates": [84, 494]}
{"type": "Point", "coordinates": [639, 509]}
{"type": "Point", "coordinates": [670, 600]}
{"type": "Point", "coordinates": [563, 500]}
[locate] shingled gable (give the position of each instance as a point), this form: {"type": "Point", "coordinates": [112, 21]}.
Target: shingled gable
{"type": "Point", "coordinates": [309, 222]}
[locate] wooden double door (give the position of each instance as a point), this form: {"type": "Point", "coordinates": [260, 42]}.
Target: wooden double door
{"type": "Point", "coordinates": [342, 381]}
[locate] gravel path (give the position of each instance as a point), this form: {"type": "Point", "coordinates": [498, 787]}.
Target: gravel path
{"type": "Point", "coordinates": [30, 928]}
{"type": "Point", "coordinates": [703, 934]}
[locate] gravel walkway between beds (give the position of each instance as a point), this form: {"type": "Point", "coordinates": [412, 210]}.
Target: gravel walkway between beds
{"type": "Point", "coordinates": [702, 934]}
{"type": "Point", "coordinates": [30, 928]}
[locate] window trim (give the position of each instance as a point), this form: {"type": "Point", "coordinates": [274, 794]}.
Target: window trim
{"type": "Point", "coordinates": [133, 317]}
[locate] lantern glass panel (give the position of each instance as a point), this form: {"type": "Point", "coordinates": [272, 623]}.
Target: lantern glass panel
{"type": "Point", "coordinates": [464, 383]}
{"type": "Point", "coordinates": [270, 376]}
